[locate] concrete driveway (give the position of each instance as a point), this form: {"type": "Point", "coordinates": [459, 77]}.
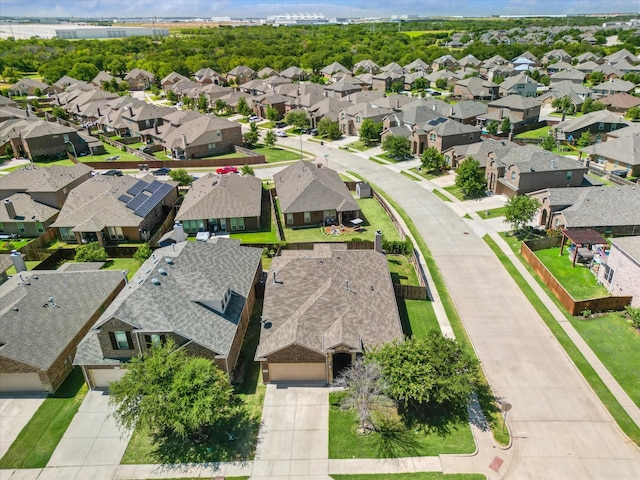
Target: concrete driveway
{"type": "Point", "coordinates": [15, 413]}
{"type": "Point", "coordinates": [294, 436]}
{"type": "Point", "coordinates": [93, 438]}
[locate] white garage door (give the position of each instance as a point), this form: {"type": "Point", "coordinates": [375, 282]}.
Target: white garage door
{"type": "Point", "coordinates": [102, 378]}
{"type": "Point", "coordinates": [297, 372]}
{"type": "Point", "coordinates": [20, 383]}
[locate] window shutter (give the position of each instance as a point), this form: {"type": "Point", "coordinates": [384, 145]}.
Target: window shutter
{"type": "Point", "coordinates": [114, 344]}
{"type": "Point", "coordinates": [129, 340]}
{"type": "Point", "coordinates": [147, 340]}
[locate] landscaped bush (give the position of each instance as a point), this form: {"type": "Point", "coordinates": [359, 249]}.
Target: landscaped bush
{"type": "Point", "coordinates": [398, 247]}
{"type": "Point", "coordinates": [91, 252]}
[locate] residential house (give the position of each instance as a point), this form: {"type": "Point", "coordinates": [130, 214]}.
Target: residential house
{"type": "Point", "coordinates": [208, 76]}
{"type": "Point", "coordinates": [613, 211]}
{"type": "Point", "coordinates": [621, 272]}
{"type": "Point", "coordinates": [520, 110]}
{"type": "Point", "coordinates": [343, 88]}
{"type": "Point", "coordinates": [587, 67]}
{"type": "Point", "coordinates": [202, 136]}
{"type": "Point", "coordinates": [483, 152]}
{"type": "Point", "coordinates": [366, 66]}
{"type": "Point", "coordinates": [241, 74]}
{"type": "Point", "coordinates": [521, 84]}
{"type": "Point", "coordinates": [62, 84]}
{"type": "Point", "coordinates": [531, 168]}
{"type": "Point", "coordinates": [141, 117]}
{"type": "Point", "coordinates": [8, 113]}
{"type": "Point", "coordinates": [620, 103]}
{"type": "Point", "coordinates": [328, 107]}
{"type": "Point", "coordinates": [44, 315]}
{"type": "Point", "coordinates": [442, 135]}
{"type": "Point", "coordinates": [295, 74]}
{"type": "Point", "coordinates": [351, 118]}
{"type": "Point", "coordinates": [109, 208]}
{"type": "Point", "coordinates": [392, 67]}
{"type": "Point", "coordinates": [384, 80]}
{"type": "Point", "coordinates": [331, 71]}
{"type": "Point", "coordinates": [300, 339]}
{"type": "Point", "coordinates": [614, 85]}
{"type": "Point", "coordinates": [417, 65]}
{"type": "Point", "coordinates": [412, 115]}
{"type": "Point", "coordinates": [22, 216]}
{"type": "Point", "coordinates": [267, 72]}
{"type": "Point", "coordinates": [48, 186]}
{"type": "Point", "coordinates": [468, 111]}
{"type": "Point", "coordinates": [522, 64]}
{"type": "Point", "coordinates": [597, 123]}
{"type": "Point", "coordinates": [103, 77]}
{"type": "Point", "coordinates": [571, 75]}
{"type": "Point", "coordinates": [27, 86]}
{"type": "Point", "coordinates": [622, 55]}
{"type": "Point", "coordinates": [394, 101]}
{"type": "Point", "coordinates": [198, 294]}
{"type": "Point", "coordinates": [221, 203]}
{"type": "Point", "coordinates": [621, 153]}
{"type": "Point", "coordinates": [558, 67]}
{"type": "Point", "coordinates": [139, 79]}
{"type": "Point", "coordinates": [475, 88]}
{"type": "Point", "coordinates": [588, 57]}
{"type": "Point", "coordinates": [171, 79]}
{"type": "Point", "coordinates": [445, 62]}
{"type": "Point", "coordinates": [261, 103]}
{"type": "Point", "coordinates": [609, 71]}
{"type": "Point", "coordinates": [576, 93]}
{"type": "Point", "coordinates": [469, 61]}
{"type": "Point", "coordinates": [556, 55]}
{"type": "Point", "coordinates": [314, 195]}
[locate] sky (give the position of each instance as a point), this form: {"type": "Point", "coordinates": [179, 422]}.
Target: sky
{"type": "Point", "coordinates": [330, 8]}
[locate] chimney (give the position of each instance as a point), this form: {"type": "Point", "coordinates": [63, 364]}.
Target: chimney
{"type": "Point", "coordinates": [98, 108]}
{"type": "Point", "coordinates": [18, 261]}
{"type": "Point", "coordinates": [11, 210]}
{"type": "Point", "coordinates": [346, 285]}
{"type": "Point", "coordinates": [184, 141]}
{"type": "Point", "coordinates": [501, 113]}
{"type": "Point", "coordinates": [77, 107]}
{"type": "Point", "coordinates": [275, 278]}
{"type": "Point", "coordinates": [130, 110]}
{"type": "Point", "coordinates": [178, 232]}
{"type": "Point", "coordinates": [155, 127]}
{"type": "Point", "coordinates": [124, 274]}
{"type": "Point", "coordinates": [377, 241]}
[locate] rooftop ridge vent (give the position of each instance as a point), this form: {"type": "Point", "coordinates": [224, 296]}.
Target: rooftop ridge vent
{"type": "Point", "coordinates": [155, 281]}
{"type": "Point", "coordinates": [169, 261]}
{"type": "Point", "coordinates": [162, 271]}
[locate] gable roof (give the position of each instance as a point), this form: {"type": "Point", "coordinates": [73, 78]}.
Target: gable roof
{"type": "Point", "coordinates": [599, 116]}
{"type": "Point", "coordinates": [35, 330]}
{"type": "Point", "coordinates": [303, 187]}
{"type": "Point", "coordinates": [511, 82]}
{"type": "Point", "coordinates": [625, 148]}
{"type": "Point", "coordinates": [35, 179]}
{"type": "Point", "coordinates": [532, 158]}
{"type": "Point", "coordinates": [629, 245]}
{"type": "Point", "coordinates": [312, 305]}
{"type": "Point", "coordinates": [138, 72]}
{"type": "Point", "coordinates": [451, 127]}
{"type": "Point", "coordinates": [614, 85]}
{"type": "Point", "coordinates": [202, 130]}
{"type": "Point", "coordinates": [27, 209]}
{"type": "Point", "coordinates": [516, 102]}
{"type": "Point", "coordinates": [222, 196]}
{"type": "Point", "coordinates": [621, 100]}
{"type": "Point", "coordinates": [468, 109]}
{"type": "Point", "coordinates": [335, 67]}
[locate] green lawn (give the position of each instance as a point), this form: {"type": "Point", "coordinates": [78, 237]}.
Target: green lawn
{"type": "Point", "coordinates": [127, 264]}
{"type": "Point", "coordinates": [411, 476]}
{"type": "Point", "coordinates": [249, 391]}
{"type": "Point", "coordinates": [29, 263]}
{"type": "Point", "coordinates": [418, 317]}
{"type": "Point", "coordinates": [538, 133]}
{"type": "Point", "coordinates": [578, 281]}
{"type": "Point", "coordinates": [394, 439]}
{"type": "Point", "coordinates": [440, 195]}
{"type": "Point", "coordinates": [112, 151]}
{"type": "Point", "coordinates": [15, 244]}
{"type": "Point", "coordinates": [277, 154]}
{"type": "Point", "coordinates": [492, 213]}
{"type": "Point", "coordinates": [38, 439]}
{"type": "Point", "coordinates": [409, 176]}
{"type": "Point", "coordinates": [360, 146]}
{"type": "Point", "coordinates": [428, 175]}
{"type": "Point", "coordinates": [267, 232]}
{"type": "Point", "coordinates": [402, 271]}
{"type": "Point", "coordinates": [457, 192]}
{"type": "Point", "coordinates": [374, 216]}
{"type": "Point", "coordinates": [621, 417]}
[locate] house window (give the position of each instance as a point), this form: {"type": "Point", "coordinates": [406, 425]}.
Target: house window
{"type": "Point", "coordinates": [513, 176]}
{"type": "Point", "coordinates": [218, 134]}
{"type": "Point", "coordinates": [608, 273]}
{"type": "Point", "coordinates": [357, 119]}
{"type": "Point", "coordinates": [432, 137]}
{"type": "Point", "coordinates": [147, 123]}
{"type": "Point", "coordinates": [65, 137]}
{"type": "Point", "coordinates": [614, 126]}
{"type": "Point", "coordinates": [237, 223]}
{"type": "Point", "coordinates": [601, 126]}
{"type": "Point", "coordinates": [307, 217]}
{"type": "Point", "coordinates": [569, 175]}
{"type": "Point", "coordinates": [155, 340]}
{"type": "Point", "coordinates": [21, 228]}
{"type": "Point", "coordinates": [115, 233]}
{"type": "Point", "coordinates": [212, 146]}
{"type": "Point", "coordinates": [39, 227]}
{"type": "Point", "coordinates": [289, 218]}
{"type": "Point", "coordinates": [66, 233]}
{"type": "Point", "coordinates": [120, 340]}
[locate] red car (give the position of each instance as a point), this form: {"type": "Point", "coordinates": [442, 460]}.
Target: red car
{"type": "Point", "coordinates": [223, 170]}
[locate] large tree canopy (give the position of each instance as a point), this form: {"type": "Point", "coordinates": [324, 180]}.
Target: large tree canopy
{"type": "Point", "coordinates": [171, 393]}
{"type": "Point", "coordinates": [519, 210]}
{"type": "Point", "coordinates": [470, 178]}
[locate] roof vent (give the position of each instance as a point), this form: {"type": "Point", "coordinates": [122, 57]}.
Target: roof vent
{"type": "Point", "coordinates": [169, 261]}
{"type": "Point", "coordinates": [15, 309]}
{"type": "Point", "coordinates": [162, 271]}
{"type": "Point", "coordinates": [155, 281]}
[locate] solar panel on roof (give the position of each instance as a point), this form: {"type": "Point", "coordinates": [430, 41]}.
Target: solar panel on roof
{"type": "Point", "coordinates": [137, 188]}
{"type": "Point", "coordinates": [153, 201]}
{"type": "Point", "coordinates": [137, 201]}
{"type": "Point", "coordinates": [125, 198]}
{"type": "Point", "coordinates": [154, 186]}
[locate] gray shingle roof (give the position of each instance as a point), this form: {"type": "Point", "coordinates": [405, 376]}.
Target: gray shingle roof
{"type": "Point", "coordinates": [630, 245]}
{"type": "Point", "coordinates": [199, 270]}
{"type": "Point", "coordinates": [222, 196]}
{"type": "Point", "coordinates": [35, 334]}
{"type": "Point", "coordinates": [27, 209]}
{"type": "Point", "coordinates": [599, 116]}
{"type": "Point", "coordinates": [625, 149]}
{"type": "Point", "coordinates": [35, 179]}
{"type": "Point", "coordinates": [302, 187]}
{"type": "Point", "coordinates": [534, 158]}
{"type": "Point", "coordinates": [516, 102]}
{"type": "Point", "coordinates": [311, 305]}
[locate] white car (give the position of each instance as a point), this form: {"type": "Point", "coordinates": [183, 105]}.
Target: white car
{"type": "Point", "coordinates": [281, 133]}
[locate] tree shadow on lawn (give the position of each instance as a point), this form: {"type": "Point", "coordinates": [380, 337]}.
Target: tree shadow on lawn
{"type": "Point", "coordinates": [395, 440]}
{"type": "Point", "coordinates": [433, 417]}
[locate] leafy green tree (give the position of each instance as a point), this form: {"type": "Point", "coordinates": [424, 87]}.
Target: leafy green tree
{"type": "Point", "coordinates": [420, 84]}
{"type": "Point", "coordinates": [370, 131]}
{"type": "Point", "coordinates": [247, 170]}
{"type": "Point", "coordinates": [59, 112]}
{"type": "Point", "coordinates": [243, 107]}
{"type": "Point", "coordinates": [492, 127]}
{"type": "Point", "coordinates": [596, 78]}
{"type": "Point", "coordinates": [297, 118]}
{"type": "Point", "coordinates": [91, 252]}
{"type": "Point", "coordinates": [270, 139]}
{"type": "Point", "coordinates": [251, 138]}
{"type": "Point", "coordinates": [470, 178]}
{"type": "Point", "coordinates": [505, 126]}
{"type": "Point", "coordinates": [441, 83]}
{"type": "Point", "coordinates": [172, 394]}
{"type": "Point", "coordinates": [433, 369]}
{"type": "Point", "coordinates": [633, 113]}
{"type": "Point", "coordinates": [187, 102]}
{"type": "Point", "coordinates": [590, 105]}
{"type": "Point", "coordinates": [432, 160]}
{"type": "Point", "coordinates": [396, 146]}
{"type": "Point", "coordinates": [171, 96]}
{"type": "Point", "coordinates": [519, 210]}
{"type": "Point", "coordinates": [219, 105]}
{"type": "Point", "coordinates": [563, 105]}
{"type": "Point", "coordinates": [545, 80]}
{"type": "Point", "coordinates": [84, 71]}
{"type": "Point", "coordinates": [396, 87]}
{"type": "Point", "coordinates": [329, 129]}
{"type": "Point", "coordinates": [549, 143]}
{"type": "Point", "coordinates": [142, 253]}
{"type": "Point", "coordinates": [272, 113]}
{"type": "Point", "coordinates": [203, 104]}
{"type": "Point", "coordinates": [584, 140]}
{"type": "Point", "coordinates": [181, 176]}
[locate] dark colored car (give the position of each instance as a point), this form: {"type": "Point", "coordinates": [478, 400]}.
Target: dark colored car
{"type": "Point", "coordinates": [113, 173]}
{"type": "Point", "coordinates": [619, 173]}
{"type": "Point", "coordinates": [162, 171]}
{"type": "Point", "coordinates": [146, 150]}
{"type": "Point", "coordinates": [224, 170]}
{"type": "Point", "coordinates": [313, 132]}
{"type": "Point", "coordinates": [281, 124]}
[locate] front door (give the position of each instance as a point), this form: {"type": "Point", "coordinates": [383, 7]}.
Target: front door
{"type": "Point", "coordinates": [223, 224]}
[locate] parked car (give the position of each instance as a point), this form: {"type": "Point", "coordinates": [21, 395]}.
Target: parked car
{"type": "Point", "coordinates": [225, 170]}
{"type": "Point", "coordinates": [281, 124]}
{"type": "Point", "coordinates": [313, 132]}
{"type": "Point", "coordinates": [281, 133]}
{"type": "Point", "coordinates": [619, 173]}
{"type": "Point", "coordinates": [254, 118]}
{"type": "Point", "coordinates": [146, 150]}
{"type": "Point", "coordinates": [113, 173]}
{"type": "Point", "coordinates": [162, 171]}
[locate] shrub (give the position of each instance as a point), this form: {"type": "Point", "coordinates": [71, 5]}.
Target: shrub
{"type": "Point", "coordinates": [398, 247]}
{"type": "Point", "coordinates": [91, 252]}
{"type": "Point", "coordinates": [633, 314]}
{"type": "Point", "coordinates": [142, 253]}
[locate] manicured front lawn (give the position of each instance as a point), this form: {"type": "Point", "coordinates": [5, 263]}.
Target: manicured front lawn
{"type": "Point", "coordinates": [412, 476]}
{"type": "Point", "coordinates": [578, 281]}
{"type": "Point", "coordinates": [433, 436]}
{"type": "Point", "coordinates": [360, 146]}
{"type": "Point", "coordinates": [621, 417]}
{"type": "Point", "coordinates": [457, 192]}
{"type": "Point", "coordinates": [441, 195]}
{"type": "Point", "coordinates": [428, 175]}
{"type": "Point", "coordinates": [539, 133]}
{"type": "Point", "coordinates": [277, 154]}
{"type": "Point", "coordinates": [418, 317]}
{"type": "Point", "coordinates": [127, 264]}
{"type": "Point", "coordinates": [38, 439]}
{"type": "Point", "coordinates": [492, 213]}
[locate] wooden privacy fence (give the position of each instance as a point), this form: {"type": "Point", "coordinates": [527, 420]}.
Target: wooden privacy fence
{"type": "Point", "coordinates": [410, 292]}
{"type": "Point", "coordinates": [574, 307]}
